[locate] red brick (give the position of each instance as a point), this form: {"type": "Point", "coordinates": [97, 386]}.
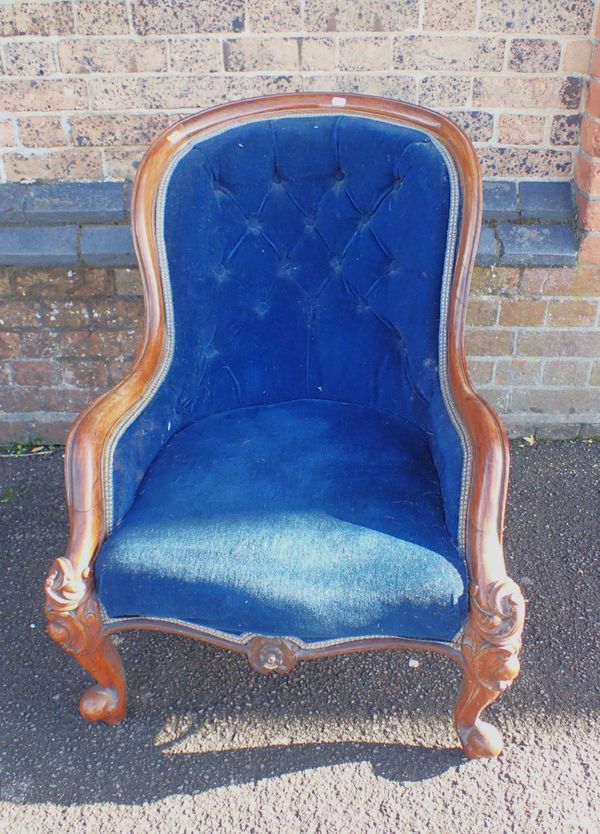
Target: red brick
{"type": "Point", "coordinates": [117, 314]}
{"type": "Point", "coordinates": [566, 372]}
{"type": "Point", "coordinates": [482, 312]}
{"type": "Point", "coordinates": [128, 282]}
{"type": "Point", "coordinates": [65, 283]}
{"type": "Point", "coordinates": [577, 57]}
{"type": "Point", "coordinates": [587, 175]}
{"type": "Point", "coordinates": [80, 344]}
{"type": "Point", "coordinates": [589, 249]}
{"type": "Point", "coordinates": [576, 313]}
{"type": "Point", "coordinates": [17, 314]}
{"type": "Point", "coordinates": [118, 368]}
{"type": "Point", "coordinates": [588, 212]}
{"type": "Point", "coordinates": [482, 342]}
{"type": "Point", "coordinates": [558, 343]}
{"type": "Point", "coordinates": [516, 371]}
{"type": "Point", "coordinates": [499, 281]}
{"type": "Point", "coordinates": [553, 401]}
{"type": "Point", "coordinates": [480, 371]}
{"type": "Point", "coordinates": [593, 100]}
{"type": "Point", "coordinates": [35, 398]}
{"type": "Point", "coordinates": [35, 428]}
{"type": "Point", "coordinates": [522, 313]}
{"type": "Point", "coordinates": [10, 344]}
{"type": "Point", "coordinates": [35, 372]}
{"type": "Point", "coordinates": [567, 281]}
{"type": "Point", "coordinates": [69, 314]}
{"type": "Point", "coordinates": [590, 136]}
{"type": "Point", "coordinates": [595, 65]}
{"type": "Point", "coordinates": [86, 373]}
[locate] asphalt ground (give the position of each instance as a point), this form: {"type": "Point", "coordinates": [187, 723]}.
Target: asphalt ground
{"type": "Point", "coordinates": [351, 745]}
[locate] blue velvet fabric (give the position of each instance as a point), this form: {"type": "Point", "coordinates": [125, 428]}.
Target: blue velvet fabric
{"type": "Point", "coordinates": [312, 519]}
{"type": "Point", "coordinates": [305, 258]}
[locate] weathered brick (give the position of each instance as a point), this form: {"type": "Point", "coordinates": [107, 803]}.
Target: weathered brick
{"type": "Point", "coordinates": [42, 131]}
{"type": "Point", "coordinates": [118, 368]}
{"type": "Point", "coordinates": [15, 315]}
{"type": "Point", "coordinates": [366, 53]}
{"type": "Point", "coordinates": [79, 344]}
{"type": "Point", "coordinates": [497, 281]}
{"type": "Point", "coordinates": [480, 371]}
{"type": "Point", "coordinates": [29, 58]}
{"type": "Point", "coordinates": [117, 314]}
{"type": "Point", "coordinates": [12, 201]}
{"type": "Point", "coordinates": [520, 129]}
{"type": "Point", "coordinates": [85, 373]}
{"type": "Point", "coordinates": [477, 123]}
{"type": "Point", "coordinates": [577, 313]}
{"type": "Point", "coordinates": [122, 129]}
{"type": "Point", "coordinates": [10, 344]}
{"type": "Point", "coordinates": [446, 15]}
{"type": "Point", "coordinates": [481, 342]}
{"type": "Point", "coordinates": [555, 401]}
{"type": "Point", "coordinates": [274, 16]}
{"type": "Point", "coordinates": [553, 343]}
{"type": "Point", "coordinates": [588, 212]}
{"type": "Point", "coordinates": [122, 163]}
{"type": "Point", "coordinates": [549, 201]}
{"type": "Point", "coordinates": [534, 55]}
{"type": "Point", "coordinates": [107, 246]}
{"type": "Point", "coordinates": [128, 282]}
{"type": "Point", "coordinates": [595, 374]}
{"type": "Point", "coordinates": [418, 52]}
{"type": "Point", "coordinates": [487, 251]}
{"type": "Point", "coordinates": [35, 372]}
{"type": "Point", "coordinates": [522, 312]}
{"type": "Point", "coordinates": [444, 91]}
{"type": "Point", "coordinates": [8, 133]}
{"type": "Point", "coordinates": [525, 93]}
{"type": "Point", "coordinates": [30, 398]}
{"type": "Point", "coordinates": [19, 94]}
{"type": "Point", "coordinates": [561, 282]}
{"type": "Point", "coordinates": [379, 84]}
{"type": "Point", "coordinates": [361, 15]}
{"type": "Point", "coordinates": [102, 17]}
{"type": "Point", "coordinates": [152, 17]}
{"type": "Point", "coordinates": [498, 398]}
{"type": "Point", "coordinates": [243, 54]}
{"type": "Point", "coordinates": [62, 283]}
{"type": "Point", "coordinates": [70, 314]}
{"type": "Point", "coordinates": [156, 92]}
{"type": "Point", "coordinates": [5, 285]}
{"type": "Point", "coordinates": [40, 427]}
{"type": "Point", "coordinates": [75, 202]}
{"type": "Point", "coordinates": [62, 164]}
{"type": "Point", "coordinates": [525, 162]}
{"type": "Point", "coordinates": [589, 249]}
{"type": "Point", "coordinates": [317, 53]}
{"type": "Point", "coordinates": [31, 246]}
{"type": "Point", "coordinates": [577, 56]}
{"type": "Point", "coordinates": [539, 244]}
{"type": "Point", "coordinates": [565, 129]}
{"type": "Point", "coordinates": [482, 312]}
{"type": "Point", "coordinates": [100, 55]}
{"type": "Point", "coordinates": [566, 372]}
{"type": "Point", "coordinates": [199, 55]}
{"type": "Point", "coordinates": [541, 17]}
{"type": "Point", "coordinates": [36, 19]}
{"type": "Point", "coordinates": [515, 371]}
{"type": "Point", "coordinates": [499, 200]}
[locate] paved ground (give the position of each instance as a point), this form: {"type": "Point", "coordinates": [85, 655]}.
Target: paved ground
{"type": "Point", "coordinates": [350, 745]}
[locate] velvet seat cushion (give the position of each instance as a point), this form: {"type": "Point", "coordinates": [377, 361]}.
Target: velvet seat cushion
{"type": "Point", "coordinates": [311, 519]}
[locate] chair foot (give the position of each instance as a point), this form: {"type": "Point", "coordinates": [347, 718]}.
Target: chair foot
{"type": "Point", "coordinates": [75, 623]}
{"type": "Point", "coordinates": [490, 648]}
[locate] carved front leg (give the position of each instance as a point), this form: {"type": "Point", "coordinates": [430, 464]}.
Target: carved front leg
{"type": "Point", "coordinates": [75, 623]}
{"type": "Point", "coordinates": [490, 648]}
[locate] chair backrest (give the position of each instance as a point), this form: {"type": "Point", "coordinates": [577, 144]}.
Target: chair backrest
{"type": "Point", "coordinates": [305, 247]}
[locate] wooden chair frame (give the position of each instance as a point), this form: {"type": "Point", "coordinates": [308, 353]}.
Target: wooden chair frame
{"type": "Point", "coordinates": [488, 649]}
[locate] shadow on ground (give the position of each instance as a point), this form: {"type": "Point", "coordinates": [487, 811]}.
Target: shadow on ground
{"type": "Point", "coordinates": [200, 719]}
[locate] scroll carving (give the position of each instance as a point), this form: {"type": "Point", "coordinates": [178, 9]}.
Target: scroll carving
{"type": "Point", "coordinates": [490, 648]}
{"type": "Point", "coordinates": [75, 623]}
{"type": "Point", "coordinates": [271, 654]}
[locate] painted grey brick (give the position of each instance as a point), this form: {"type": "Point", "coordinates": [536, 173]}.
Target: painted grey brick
{"type": "Point", "coordinates": [12, 199]}
{"type": "Point", "coordinates": [500, 200]}
{"type": "Point", "coordinates": [537, 245]}
{"type": "Point", "coordinates": [107, 246]}
{"type": "Point", "coordinates": [546, 201]}
{"type": "Point", "coordinates": [487, 253]}
{"type": "Point", "coordinates": [75, 202]}
{"type": "Point", "coordinates": [38, 245]}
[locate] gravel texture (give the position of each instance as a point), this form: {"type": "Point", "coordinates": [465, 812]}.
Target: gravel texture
{"type": "Point", "coordinates": [350, 745]}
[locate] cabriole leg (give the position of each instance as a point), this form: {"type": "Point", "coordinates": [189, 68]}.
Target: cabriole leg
{"type": "Point", "coordinates": [75, 623]}
{"type": "Point", "coordinates": [490, 648]}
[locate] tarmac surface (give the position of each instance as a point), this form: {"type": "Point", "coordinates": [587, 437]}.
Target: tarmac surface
{"type": "Point", "coordinates": [355, 745]}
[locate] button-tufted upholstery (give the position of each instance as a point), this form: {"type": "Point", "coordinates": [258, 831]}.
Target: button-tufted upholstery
{"type": "Point", "coordinates": [303, 450]}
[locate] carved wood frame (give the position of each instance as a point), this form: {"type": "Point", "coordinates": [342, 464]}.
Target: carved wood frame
{"type": "Point", "coordinates": [491, 640]}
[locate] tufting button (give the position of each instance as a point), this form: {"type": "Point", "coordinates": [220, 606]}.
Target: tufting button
{"type": "Point", "coordinates": [261, 308]}
{"type": "Point", "coordinates": [396, 184]}
{"type": "Point", "coordinates": [339, 176]}
{"type": "Point", "coordinates": [336, 264]}
{"type": "Point", "coordinates": [362, 306]}
{"type": "Point", "coordinates": [254, 225]}
{"type": "Point", "coordinates": [277, 178]}
{"type": "Point", "coordinates": [364, 220]}
{"type": "Point", "coordinates": [210, 352]}
{"type": "Point", "coordinates": [220, 273]}
{"type": "Point", "coordinates": [309, 222]}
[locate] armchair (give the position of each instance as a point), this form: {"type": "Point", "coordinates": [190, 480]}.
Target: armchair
{"type": "Point", "coordinates": [297, 465]}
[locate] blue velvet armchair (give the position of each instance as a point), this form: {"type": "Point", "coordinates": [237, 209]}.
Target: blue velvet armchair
{"type": "Point", "coordinates": [297, 465]}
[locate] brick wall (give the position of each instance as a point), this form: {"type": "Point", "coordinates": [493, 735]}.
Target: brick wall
{"type": "Point", "coordinates": [87, 83]}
